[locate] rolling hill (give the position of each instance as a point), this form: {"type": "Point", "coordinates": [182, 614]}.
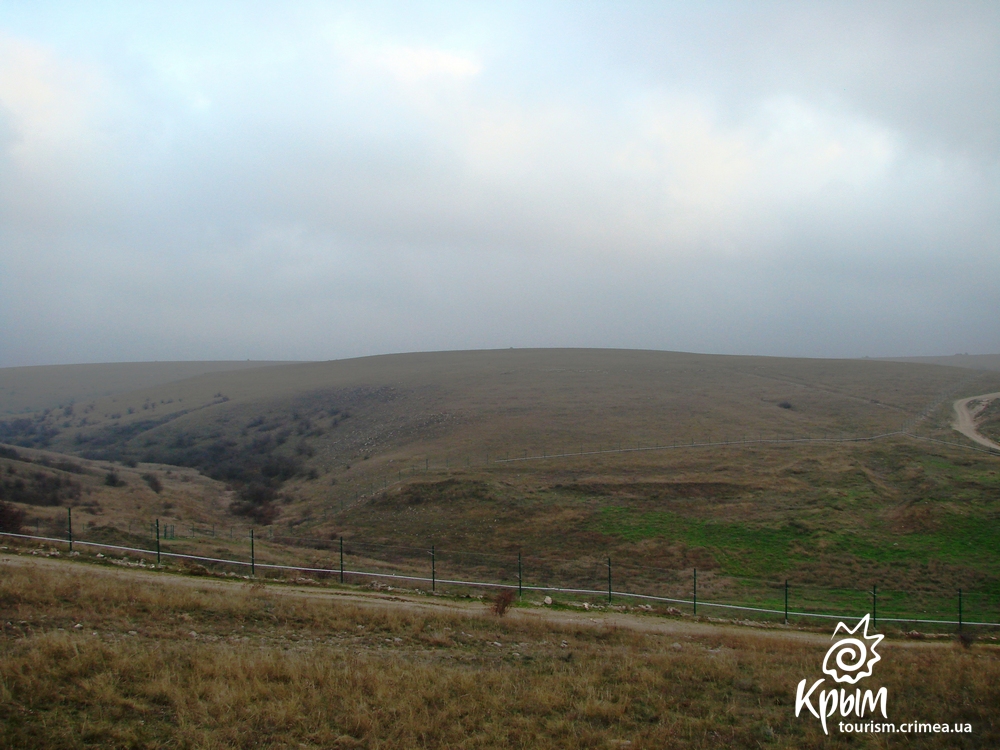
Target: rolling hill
{"type": "Point", "coordinates": [29, 389]}
{"type": "Point", "coordinates": [740, 466]}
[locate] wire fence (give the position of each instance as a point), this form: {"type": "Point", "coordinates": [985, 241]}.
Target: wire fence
{"type": "Point", "coordinates": [351, 561]}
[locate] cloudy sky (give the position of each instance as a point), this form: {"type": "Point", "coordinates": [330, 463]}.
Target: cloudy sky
{"type": "Point", "coordinates": [316, 181]}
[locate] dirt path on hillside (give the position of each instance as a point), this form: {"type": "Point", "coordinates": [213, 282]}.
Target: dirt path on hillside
{"type": "Point", "coordinates": [965, 418]}
{"type": "Point", "coordinates": [677, 626]}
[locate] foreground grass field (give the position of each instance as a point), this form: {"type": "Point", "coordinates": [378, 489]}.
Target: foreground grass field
{"type": "Point", "coordinates": [398, 456]}
{"type": "Point", "coordinates": [96, 661]}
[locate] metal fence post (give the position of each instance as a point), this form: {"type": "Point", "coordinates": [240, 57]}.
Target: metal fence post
{"type": "Point", "coordinates": [609, 580]}
{"type": "Point", "coordinates": [786, 601]}
{"type": "Point", "coordinates": [433, 570]}
{"type": "Point", "coordinates": [874, 606]}
{"type": "Point", "coordinates": [253, 560]}
{"type": "Point", "coordinates": [694, 599]}
{"type": "Point", "coordinates": [69, 527]}
{"type": "Point", "coordinates": [960, 610]}
{"type": "Point", "coordinates": [157, 542]}
{"type": "Point", "coordinates": [519, 580]}
{"type": "Point", "coordinates": [341, 559]}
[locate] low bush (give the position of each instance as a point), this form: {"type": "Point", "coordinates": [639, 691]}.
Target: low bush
{"type": "Point", "coordinates": [11, 518]}
{"type": "Point", "coordinates": [502, 602]}
{"type": "Point", "coordinates": [154, 482]}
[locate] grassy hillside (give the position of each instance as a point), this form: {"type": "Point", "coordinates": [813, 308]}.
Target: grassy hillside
{"type": "Point", "coordinates": [971, 361]}
{"type": "Point", "coordinates": [547, 463]}
{"type": "Point", "coordinates": [467, 404]}
{"type": "Point", "coordinates": [402, 452]}
{"type": "Point", "coordinates": [29, 389]}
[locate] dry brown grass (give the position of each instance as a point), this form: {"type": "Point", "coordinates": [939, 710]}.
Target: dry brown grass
{"type": "Point", "coordinates": [821, 515]}
{"type": "Point", "coordinates": [162, 665]}
{"type": "Point", "coordinates": [25, 389]}
{"type": "Point", "coordinates": [836, 510]}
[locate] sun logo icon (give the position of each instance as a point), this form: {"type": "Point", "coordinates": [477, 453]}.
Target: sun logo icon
{"type": "Point", "coordinates": [852, 658]}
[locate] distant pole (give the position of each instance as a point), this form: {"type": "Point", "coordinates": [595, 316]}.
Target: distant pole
{"type": "Point", "coordinates": [341, 559]}
{"type": "Point", "coordinates": [433, 570]}
{"type": "Point", "coordinates": [874, 606]}
{"type": "Point", "coordinates": [157, 542]}
{"type": "Point", "coordinates": [786, 601]}
{"type": "Point", "coordinates": [960, 610]}
{"type": "Point", "coordinates": [253, 559]}
{"type": "Point", "coordinates": [69, 527]}
{"type": "Point", "coordinates": [519, 575]}
{"type": "Point", "coordinates": [609, 580]}
{"type": "Point", "coordinates": [694, 598]}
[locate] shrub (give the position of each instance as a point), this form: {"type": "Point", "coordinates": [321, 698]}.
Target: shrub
{"type": "Point", "coordinates": [37, 488]}
{"type": "Point", "coordinates": [502, 602]}
{"type": "Point", "coordinates": [966, 638]}
{"type": "Point", "coordinates": [264, 514]}
{"type": "Point", "coordinates": [257, 494]}
{"type": "Point", "coordinates": [154, 482]}
{"type": "Point", "coordinates": [11, 518]}
{"type": "Point", "coordinates": [256, 501]}
{"type": "Point", "coordinates": [113, 480]}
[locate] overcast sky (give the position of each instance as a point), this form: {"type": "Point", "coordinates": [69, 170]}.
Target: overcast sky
{"type": "Point", "coordinates": [316, 181]}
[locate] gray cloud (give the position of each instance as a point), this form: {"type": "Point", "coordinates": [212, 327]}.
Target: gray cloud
{"type": "Point", "coordinates": [214, 183]}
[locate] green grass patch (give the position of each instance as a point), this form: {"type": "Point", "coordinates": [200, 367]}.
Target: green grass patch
{"type": "Point", "coordinates": [738, 549]}
{"type": "Point", "coordinates": [971, 542]}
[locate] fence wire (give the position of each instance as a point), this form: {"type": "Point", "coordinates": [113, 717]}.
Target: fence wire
{"type": "Point", "coordinates": [591, 567]}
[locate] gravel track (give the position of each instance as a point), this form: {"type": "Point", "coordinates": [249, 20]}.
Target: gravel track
{"type": "Point", "coordinates": [965, 419]}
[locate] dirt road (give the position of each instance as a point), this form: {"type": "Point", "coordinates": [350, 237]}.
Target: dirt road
{"type": "Point", "coordinates": [678, 626]}
{"type": "Point", "coordinates": [965, 418]}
